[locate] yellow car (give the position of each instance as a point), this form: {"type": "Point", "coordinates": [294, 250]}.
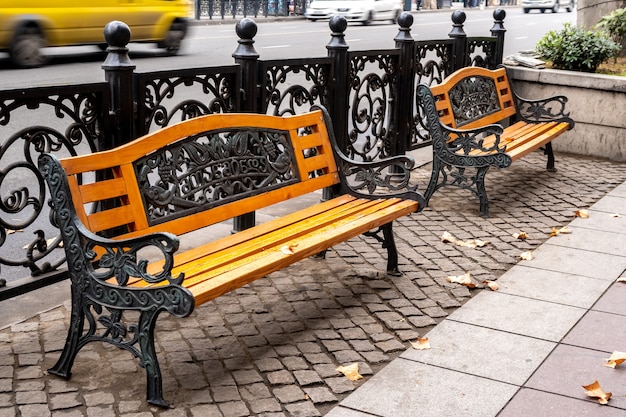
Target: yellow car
{"type": "Point", "coordinates": [26, 26]}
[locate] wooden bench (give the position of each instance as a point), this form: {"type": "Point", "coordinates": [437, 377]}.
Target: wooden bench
{"type": "Point", "coordinates": [191, 175]}
{"type": "Point", "coordinates": [464, 117]}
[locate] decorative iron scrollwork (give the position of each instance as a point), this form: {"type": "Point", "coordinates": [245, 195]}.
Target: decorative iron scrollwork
{"type": "Point", "coordinates": [203, 171]}
{"type": "Point", "coordinates": [472, 98]}
{"type": "Point", "coordinates": [216, 95]}
{"type": "Point", "coordinates": [293, 86]}
{"type": "Point", "coordinates": [371, 105]}
{"type": "Point", "coordinates": [27, 239]}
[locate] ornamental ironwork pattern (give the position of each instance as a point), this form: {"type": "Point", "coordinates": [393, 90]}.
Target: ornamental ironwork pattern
{"type": "Point", "coordinates": [473, 98]}
{"type": "Point", "coordinates": [221, 8]}
{"type": "Point", "coordinates": [433, 63]}
{"type": "Point", "coordinates": [69, 122]}
{"type": "Point", "coordinates": [174, 96]}
{"type": "Point", "coordinates": [91, 294]}
{"type": "Point", "coordinates": [371, 100]}
{"type": "Point", "coordinates": [294, 86]}
{"type": "Point", "coordinates": [206, 170]}
{"type": "Point", "coordinates": [481, 52]}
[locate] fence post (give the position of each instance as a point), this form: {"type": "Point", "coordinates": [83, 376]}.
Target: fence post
{"type": "Point", "coordinates": [498, 31]}
{"type": "Point", "coordinates": [460, 40]}
{"type": "Point", "coordinates": [404, 84]}
{"type": "Point", "coordinates": [338, 89]}
{"type": "Point", "coordinates": [118, 72]}
{"type": "Point", "coordinates": [247, 57]}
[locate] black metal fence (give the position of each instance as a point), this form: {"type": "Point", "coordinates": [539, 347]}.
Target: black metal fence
{"type": "Point", "coordinates": [374, 115]}
{"type": "Point", "coordinates": [219, 9]}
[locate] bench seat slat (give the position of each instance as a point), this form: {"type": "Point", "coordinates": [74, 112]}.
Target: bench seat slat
{"type": "Point", "coordinates": [274, 258]}
{"type": "Point", "coordinates": [224, 253]}
{"type": "Point", "coordinates": [228, 256]}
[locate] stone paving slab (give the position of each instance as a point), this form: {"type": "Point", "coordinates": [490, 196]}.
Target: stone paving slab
{"type": "Point", "coordinates": [482, 352]}
{"type": "Point", "coordinates": [406, 388]}
{"type": "Point", "coordinates": [272, 348]}
{"type": "Point", "coordinates": [574, 290]}
{"type": "Point", "coordinates": [523, 316]}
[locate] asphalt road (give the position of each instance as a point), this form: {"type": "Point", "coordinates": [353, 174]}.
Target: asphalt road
{"type": "Point", "coordinates": [212, 43]}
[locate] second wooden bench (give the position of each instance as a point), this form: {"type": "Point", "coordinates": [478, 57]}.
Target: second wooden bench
{"type": "Point", "coordinates": [465, 115]}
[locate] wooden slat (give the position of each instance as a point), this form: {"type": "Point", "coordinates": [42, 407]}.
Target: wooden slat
{"type": "Point", "coordinates": [108, 219]}
{"type": "Point", "coordinates": [102, 190]}
{"type": "Point", "coordinates": [258, 230]}
{"type": "Point", "coordinates": [221, 253]}
{"type": "Point", "coordinates": [228, 257]}
{"type": "Point", "coordinates": [304, 246]}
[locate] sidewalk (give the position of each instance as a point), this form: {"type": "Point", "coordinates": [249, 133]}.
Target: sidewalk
{"type": "Point", "coordinates": [272, 348]}
{"type": "Point", "coordinates": [528, 348]}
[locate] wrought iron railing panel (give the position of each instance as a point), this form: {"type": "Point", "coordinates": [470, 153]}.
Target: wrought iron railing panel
{"type": "Point", "coordinates": [481, 52]}
{"type": "Point", "coordinates": [66, 121]}
{"type": "Point", "coordinates": [293, 86]}
{"type": "Point", "coordinates": [219, 9]}
{"type": "Point", "coordinates": [371, 94]}
{"type": "Point", "coordinates": [434, 61]}
{"type": "Point", "coordinates": [166, 97]}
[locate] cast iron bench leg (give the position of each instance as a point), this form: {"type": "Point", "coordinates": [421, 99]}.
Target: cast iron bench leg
{"type": "Point", "coordinates": [63, 367]}
{"type": "Point", "coordinates": [149, 360]}
{"type": "Point", "coordinates": [550, 154]}
{"type": "Point", "coordinates": [482, 193]}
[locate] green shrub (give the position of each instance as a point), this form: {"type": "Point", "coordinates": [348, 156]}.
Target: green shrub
{"type": "Point", "coordinates": [615, 25]}
{"type": "Point", "coordinates": [576, 49]}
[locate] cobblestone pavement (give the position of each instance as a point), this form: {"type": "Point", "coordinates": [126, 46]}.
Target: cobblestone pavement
{"type": "Point", "coordinates": [272, 348]}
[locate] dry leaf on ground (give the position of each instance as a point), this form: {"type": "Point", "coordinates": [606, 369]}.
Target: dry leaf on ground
{"type": "Point", "coordinates": [583, 214]}
{"type": "Point", "coordinates": [621, 279]}
{"type": "Point", "coordinates": [595, 391]}
{"type": "Point", "coordinates": [465, 279]}
{"type": "Point", "coordinates": [563, 230]}
{"type": "Point", "coordinates": [422, 343]}
{"type": "Point", "coordinates": [615, 215]}
{"type": "Point", "coordinates": [492, 285]}
{"type": "Point", "coordinates": [447, 237]}
{"type": "Point", "coordinates": [351, 371]}
{"type": "Point", "coordinates": [520, 235]}
{"type": "Point", "coordinates": [527, 256]}
{"type": "Point", "coordinates": [616, 359]}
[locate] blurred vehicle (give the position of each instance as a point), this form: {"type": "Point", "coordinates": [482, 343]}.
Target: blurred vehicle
{"type": "Point", "coordinates": [543, 5]}
{"type": "Point", "coordinates": [27, 26]}
{"type": "Point", "coordinates": [364, 11]}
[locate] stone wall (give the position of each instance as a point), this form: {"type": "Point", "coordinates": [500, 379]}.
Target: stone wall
{"type": "Point", "coordinates": [596, 103]}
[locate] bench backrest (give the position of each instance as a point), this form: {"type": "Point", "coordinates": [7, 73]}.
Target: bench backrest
{"type": "Point", "coordinates": [473, 97]}
{"type": "Point", "coordinates": [202, 171]}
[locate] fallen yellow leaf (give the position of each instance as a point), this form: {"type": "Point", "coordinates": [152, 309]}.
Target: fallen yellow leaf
{"type": "Point", "coordinates": [562, 230]}
{"type": "Point", "coordinates": [527, 256]}
{"type": "Point", "coordinates": [422, 343]}
{"type": "Point", "coordinates": [520, 235]}
{"type": "Point", "coordinates": [583, 214]}
{"type": "Point", "coordinates": [616, 359]}
{"type": "Point", "coordinates": [595, 391]}
{"type": "Point", "coordinates": [621, 279]}
{"type": "Point", "coordinates": [492, 285]}
{"type": "Point", "coordinates": [465, 279]}
{"type": "Point", "coordinates": [447, 237]}
{"type": "Point", "coordinates": [351, 371]}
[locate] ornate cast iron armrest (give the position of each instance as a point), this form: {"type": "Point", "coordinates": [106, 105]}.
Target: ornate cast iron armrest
{"type": "Point", "coordinates": [119, 258]}
{"type": "Point", "coordinates": [112, 258]}
{"type": "Point", "coordinates": [384, 177]}
{"type": "Point", "coordinates": [551, 109]}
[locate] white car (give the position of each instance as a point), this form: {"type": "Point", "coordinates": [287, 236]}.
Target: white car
{"type": "Point", "coordinates": [364, 11]}
{"type": "Point", "coordinates": [543, 5]}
